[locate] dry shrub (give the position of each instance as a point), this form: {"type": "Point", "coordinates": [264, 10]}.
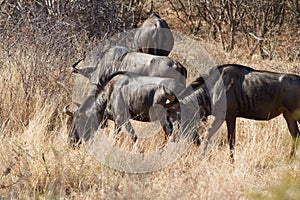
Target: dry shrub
{"type": "Point", "coordinates": [40, 40]}
{"type": "Point", "coordinates": [269, 29]}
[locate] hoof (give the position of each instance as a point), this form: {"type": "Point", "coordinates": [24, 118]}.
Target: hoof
{"type": "Point", "coordinates": [134, 138]}
{"type": "Point", "coordinates": [197, 142]}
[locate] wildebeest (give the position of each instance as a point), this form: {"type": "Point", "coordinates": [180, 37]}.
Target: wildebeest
{"type": "Point", "coordinates": [123, 59]}
{"type": "Point", "coordinates": [154, 36]}
{"type": "Point", "coordinates": [126, 96]}
{"type": "Point", "coordinates": [232, 91]}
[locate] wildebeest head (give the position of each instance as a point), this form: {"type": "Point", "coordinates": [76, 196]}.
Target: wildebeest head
{"type": "Point", "coordinates": [191, 106]}
{"type": "Point", "coordinates": [86, 119]}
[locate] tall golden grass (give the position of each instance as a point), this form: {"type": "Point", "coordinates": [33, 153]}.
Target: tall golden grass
{"type": "Point", "coordinates": [36, 162]}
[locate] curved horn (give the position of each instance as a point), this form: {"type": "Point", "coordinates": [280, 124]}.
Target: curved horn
{"type": "Point", "coordinates": [73, 67]}
{"type": "Point", "coordinates": [67, 112]}
{"type": "Point", "coordinates": [169, 94]}
{"type": "Point", "coordinates": [76, 104]}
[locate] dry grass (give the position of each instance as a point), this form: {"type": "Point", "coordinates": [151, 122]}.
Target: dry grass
{"type": "Point", "coordinates": [36, 162]}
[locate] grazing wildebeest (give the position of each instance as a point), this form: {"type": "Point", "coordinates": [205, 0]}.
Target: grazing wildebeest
{"type": "Point", "coordinates": [122, 59]}
{"type": "Point", "coordinates": [233, 91]}
{"type": "Point", "coordinates": [126, 96]}
{"type": "Point", "coordinates": [154, 37]}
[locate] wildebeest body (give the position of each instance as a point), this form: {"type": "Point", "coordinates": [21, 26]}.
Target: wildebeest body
{"type": "Point", "coordinates": [240, 91]}
{"type": "Point", "coordinates": [133, 97]}
{"type": "Point", "coordinates": [122, 59]}
{"type": "Point", "coordinates": [259, 96]}
{"type": "Point", "coordinates": [154, 37]}
{"type": "Point", "coordinates": [124, 97]}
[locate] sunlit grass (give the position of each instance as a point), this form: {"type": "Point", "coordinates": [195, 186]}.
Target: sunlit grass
{"type": "Point", "coordinates": [36, 164]}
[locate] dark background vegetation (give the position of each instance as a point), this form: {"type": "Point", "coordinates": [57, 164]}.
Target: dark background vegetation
{"type": "Point", "coordinates": [270, 27]}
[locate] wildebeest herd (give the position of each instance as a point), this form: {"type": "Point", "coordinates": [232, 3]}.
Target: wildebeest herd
{"type": "Point", "coordinates": [129, 85]}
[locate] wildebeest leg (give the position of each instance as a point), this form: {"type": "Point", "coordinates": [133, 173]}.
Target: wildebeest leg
{"type": "Point", "coordinates": [120, 121]}
{"type": "Point", "coordinates": [167, 127]}
{"type": "Point", "coordinates": [104, 124]}
{"type": "Point", "coordinates": [230, 122]}
{"type": "Point", "coordinates": [294, 130]}
{"type": "Point", "coordinates": [121, 116]}
{"type": "Point", "coordinates": [200, 130]}
{"type": "Point", "coordinates": [129, 129]}
{"type": "Point", "coordinates": [217, 122]}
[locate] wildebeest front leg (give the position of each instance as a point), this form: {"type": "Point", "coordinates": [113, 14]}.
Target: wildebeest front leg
{"type": "Point", "coordinates": [230, 122]}
{"type": "Point", "coordinates": [124, 121]}
{"type": "Point", "coordinates": [294, 130]}
{"type": "Point", "coordinates": [121, 115]}
{"type": "Point", "coordinates": [167, 127]}
{"type": "Point", "coordinates": [217, 122]}
{"type": "Point", "coordinates": [129, 129]}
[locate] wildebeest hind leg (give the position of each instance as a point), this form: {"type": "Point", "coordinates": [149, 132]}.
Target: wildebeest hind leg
{"type": "Point", "coordinates": [129, 129]}
{"type": "Point", "coordinates": [230, 122]}
{"type": "Point", "coordinates": [294, 131]}
{"type": "Point", "coordinates": [128, 126]}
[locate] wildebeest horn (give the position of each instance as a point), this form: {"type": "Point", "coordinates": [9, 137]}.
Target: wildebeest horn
{"type": "Point", "coordinates": [169, 96]}
{"type": "Point", "coordinates": [76, 103]}
{"type": "Point", "coordinates": [67, 112]}
{"type": "Point", "coordinates": [73, 67]}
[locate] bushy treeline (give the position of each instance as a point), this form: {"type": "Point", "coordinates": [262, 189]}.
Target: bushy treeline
{"type": "Point", "coordinates": [40, 39]}
{"type": "Point", "coordinates": [270, 28]}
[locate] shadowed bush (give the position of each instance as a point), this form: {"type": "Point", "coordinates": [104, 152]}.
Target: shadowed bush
{"type": "Point", "coordinates": [39, 41]}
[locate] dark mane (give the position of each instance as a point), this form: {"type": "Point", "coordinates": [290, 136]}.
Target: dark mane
{"type": "Point", "coordinates": [198, 82]}
{"type": "Point", "coordinates": [235, 65]}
